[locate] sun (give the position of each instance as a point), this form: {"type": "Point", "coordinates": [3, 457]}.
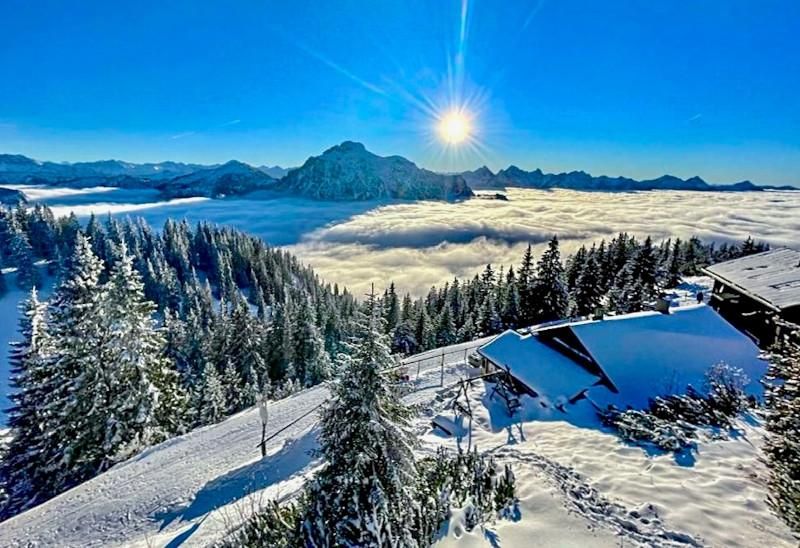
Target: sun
{"type": "Point", "coordinates": [454, 127]}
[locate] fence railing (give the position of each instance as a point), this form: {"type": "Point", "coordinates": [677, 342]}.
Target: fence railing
{"type": "Point", "coordinates": [438, 359]}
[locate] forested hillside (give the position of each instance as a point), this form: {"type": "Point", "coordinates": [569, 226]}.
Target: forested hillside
{"type": "Point", "coordinates": [199, 322]}
{"type": "Point", "coordinates": [620, 276]}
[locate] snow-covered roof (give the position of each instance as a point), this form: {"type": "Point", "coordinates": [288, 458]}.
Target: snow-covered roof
{"type": "Point", "coordinates": [650, 354]}
{"type": "Point", "coordinates": [552, 375]}
{"type": "Point", "coordinates": [772, 276]}
{"type": "Point", "coordinates": [645, 354]}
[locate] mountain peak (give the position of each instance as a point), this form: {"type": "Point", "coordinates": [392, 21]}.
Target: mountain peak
{"type": "Point", "coordinates": [349, 171]}
{"type": "Point", "coordinates": [347, 147]}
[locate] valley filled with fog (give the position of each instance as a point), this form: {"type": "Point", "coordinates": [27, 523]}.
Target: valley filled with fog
{"type": "Point", "coordinates": [418, 244]}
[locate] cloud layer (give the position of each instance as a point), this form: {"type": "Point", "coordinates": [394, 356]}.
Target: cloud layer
{"type": "Point", "coordinates": [421, 244]}
{"type": "Point", "coordinates": [424, 243]}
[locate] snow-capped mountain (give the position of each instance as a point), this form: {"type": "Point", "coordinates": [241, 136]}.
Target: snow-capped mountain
{"type": "Point", "coordinates": [231, 178]}
{"type": "Point", "coordinates": [160, 170]}
{"type": "Point", "coordinates": [344, 172]}
{"type": "Point", "coordinates": [514, 176]}
{"type": "Point", "coordinates": [350, 172]}
{"type": "Point", "coordinates": [16, 168]}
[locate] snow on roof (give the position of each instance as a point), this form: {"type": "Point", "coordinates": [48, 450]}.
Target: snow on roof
{"type": "Point", "coordinates": [552, 375]}
{"type": "Point", "coordinates": [648, 354]}
{"type": "Point", "coordinates": [772, 276]}
{"type": "Point", "coordinates": [644, 355]}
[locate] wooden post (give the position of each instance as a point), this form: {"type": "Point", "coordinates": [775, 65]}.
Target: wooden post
{"type": "Point", "coordinates": [263, 413]}
{"type": "Point", "coordinates": [441, 382]}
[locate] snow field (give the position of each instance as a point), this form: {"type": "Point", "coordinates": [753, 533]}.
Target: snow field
{"type": "Point", "coordinates": [618, 490]}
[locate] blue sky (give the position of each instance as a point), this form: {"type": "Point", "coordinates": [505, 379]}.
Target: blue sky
{"type": "Point", "coordinates": [617, 87]}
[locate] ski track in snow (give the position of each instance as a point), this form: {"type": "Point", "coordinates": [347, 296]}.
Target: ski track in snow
{"type": "Point", "coordinates": [178, 481]}
{"type": "Point", "coordinates": [183, 492]}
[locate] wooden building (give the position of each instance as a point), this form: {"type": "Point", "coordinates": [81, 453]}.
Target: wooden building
{"type": "Point", "coordinates": [752, 292]}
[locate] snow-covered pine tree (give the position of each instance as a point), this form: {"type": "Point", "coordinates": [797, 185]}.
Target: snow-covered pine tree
{"type": "Point", "coordinates": [22, 467]}
{"type": "Point", "coordinates": [312, 363]}
{"type": "Point", "coordinates": [232, 387]}
{"type": "Point", "coordinates": [211, 398]}
{"type": "Point", "coordinates": [146, 403]}
{"type": "Point", "coordinates": [673, 274]}
{"type": "Point", "coordinates": [575, 265]}
{"type": "Point", "coordinates": [527, 283]}
{"type": "Point", "coordinates": [391, 308]}
{"type": "Point", "coordinates": [489, 321]}
{"type": "Point", "coordinates": [424, 331]}
{"type": "Point", "coordinates": [22, 256]}
{"type": "Point", "coordinates": [445, 328]}
{"type": "Point", "coordinates": [587, 293]}
{"type": "Point", "coordinates": [782, 447]}
{"type": "Point", "coordinates": [365, 495]}
{"type": "Point", "coordinates": [77, 390]}
{"type": "Point", "coordinates": [510, 312]}
{"type": "Point", "coordinates": [551, 289]}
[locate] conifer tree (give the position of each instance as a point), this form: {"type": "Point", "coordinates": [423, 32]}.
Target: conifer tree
{"type": "Point", "coordinates": [511, 305]}
{"type": "Point", "coordinates": [22, 256]}
{"type": "Point", "coordinates": [673, 275]}
{"type": "Point", "coordinates": [391, 309]}
{"type": "Point", "coordinates": [73, 442]}
{"type": "Point", "coordinates": [212, 403]}
{"type": "Point", "coordinates": [366, 492]}
{"type": "Point", "coordinates": [142, 382]}
{"type": "Point", "coordinates": [782, 447]}
{"type": "Point", "coordinates": [312, 363]}
{"type": "Point", "coordinates": [587, 294]}
{"type": "Point", "coordinates": [22, 468]}
{"type": "Point", "coordinates": [527, 283]}
{"type": "Point", "coordinates": [446, 328]}
{"type": "Point", "coordinates": [424, 331]}
{"type": "Point", "coordinates": [232, 387]}
{"type": "Point", "coordinates": [551, 289]}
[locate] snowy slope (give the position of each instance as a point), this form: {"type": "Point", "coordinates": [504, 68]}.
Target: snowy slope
{"type": "Point", "coordinates": [189, 490]}
{"type": "Point", "coordinates": [172, 486]}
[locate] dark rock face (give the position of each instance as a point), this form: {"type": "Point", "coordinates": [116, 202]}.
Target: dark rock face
{"type": "Point", "coordinates": [350, 172]}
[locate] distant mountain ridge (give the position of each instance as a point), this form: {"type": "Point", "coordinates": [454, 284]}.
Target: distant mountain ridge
{"type": "Point", "coordinates": [350, 172]}
{"type": "Point", "coordinates": [230, 179]}
{"type": "Point", "coordinates": [512, 176]}
{"type": "Point", "coordinates": [345, 172]}
{"type": "Point", "coordinates": [18, 169]}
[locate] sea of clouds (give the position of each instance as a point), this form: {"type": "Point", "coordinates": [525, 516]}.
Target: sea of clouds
{"type": "Point", "coordinates": [419, 244]}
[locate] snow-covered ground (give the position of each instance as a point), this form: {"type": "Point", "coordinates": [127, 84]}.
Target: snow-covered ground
{"type": "Point", "coordinates": [578, 486]}
{"type": "Point", "coordinates": [189, 490]}
{"type": "Point", "coordinates": [582, 486]}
